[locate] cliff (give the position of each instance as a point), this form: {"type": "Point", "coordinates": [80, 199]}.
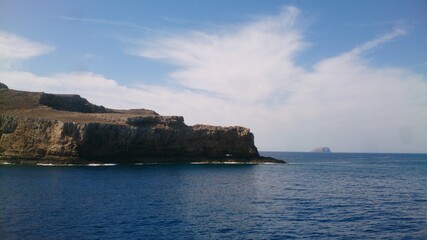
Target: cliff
{"type": "Point", "coordinates": [67, 129]}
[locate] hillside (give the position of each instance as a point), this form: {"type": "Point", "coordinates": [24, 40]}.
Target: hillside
{"type": "Point", "coordinates": [37, 127]}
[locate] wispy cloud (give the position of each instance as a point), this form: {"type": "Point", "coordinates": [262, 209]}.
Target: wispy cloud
{"type": "Point", "coordinates": [288, 106]}
{"type": "Point", "coordinates": [397, 31]}
{"type": "Point", "coordinates": [240, 64]}
{"type": "Point", "coordinates": [90, 56]}
{"type": "Point", "coordinates": [247, 75]}
{"type": "Point", "coordinates": [13, 47]}
{"type": "Point", "coordinates": [376, 24]}
{"type": "Point", "coordinates": [108, 22]}
{"type": "Point", "coordinates": [182, 21]}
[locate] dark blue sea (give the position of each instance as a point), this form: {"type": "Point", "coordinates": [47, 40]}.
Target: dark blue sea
{"type": "Point", "coordinates": [315, 196]}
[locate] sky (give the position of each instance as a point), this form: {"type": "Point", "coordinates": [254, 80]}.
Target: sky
{"type": "Point", "coordinates": [350, 75]}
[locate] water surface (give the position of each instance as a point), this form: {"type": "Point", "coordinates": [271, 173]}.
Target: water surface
{"type": "Point", "coordinates": [339, 196]}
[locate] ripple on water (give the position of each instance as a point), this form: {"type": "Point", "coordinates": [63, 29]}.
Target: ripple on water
{"type": "Point", "coordinates": [347, 196]}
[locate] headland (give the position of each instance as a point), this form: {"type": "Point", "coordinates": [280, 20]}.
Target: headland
{"type": "Point", "coordinates": [37, 127]}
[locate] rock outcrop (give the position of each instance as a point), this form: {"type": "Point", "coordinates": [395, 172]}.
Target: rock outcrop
{"type": "Point", "coordinates": [64, 129]}
{"type": "Point", "coordinates": [71, 103]}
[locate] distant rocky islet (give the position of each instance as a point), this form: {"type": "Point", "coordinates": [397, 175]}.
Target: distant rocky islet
{"type": "Point", "coordinates": [322, 150]}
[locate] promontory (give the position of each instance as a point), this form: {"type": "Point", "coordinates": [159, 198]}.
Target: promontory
{"type": "Point", "coordinates": [38, 127]}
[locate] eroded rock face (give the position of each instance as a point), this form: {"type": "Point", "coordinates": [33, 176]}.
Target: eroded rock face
{"type": "Point", "coordinates": [158, 137]}
{"type": "Point", "coordinates": [34, 139]}
{"type": "Point", "coordinates": [52, 128]}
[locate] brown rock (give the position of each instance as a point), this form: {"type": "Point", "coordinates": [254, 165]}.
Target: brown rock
{"type": "Point", "coordinates": [48, 128]}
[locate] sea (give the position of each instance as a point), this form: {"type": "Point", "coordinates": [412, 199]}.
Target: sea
{"type": "Point", "coordinates": [314, 196]}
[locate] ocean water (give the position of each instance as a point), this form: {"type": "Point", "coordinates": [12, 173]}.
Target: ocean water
{"type": "Point", "coordinates": [315, 196]}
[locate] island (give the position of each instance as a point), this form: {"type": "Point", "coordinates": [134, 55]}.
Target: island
{"type": "Point", "coordinates": [321, 150]}
{"type": "Point", "coordinates": [43, 128]}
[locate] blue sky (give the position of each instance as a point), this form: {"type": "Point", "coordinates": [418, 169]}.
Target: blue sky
{"type": "Point", "coordinates": [300, 74]}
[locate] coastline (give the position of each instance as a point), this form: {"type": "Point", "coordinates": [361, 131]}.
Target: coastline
{"type": "Point", "coordinates": [137, 161]}
{"type": "Point", "coordinates": [60, 129]}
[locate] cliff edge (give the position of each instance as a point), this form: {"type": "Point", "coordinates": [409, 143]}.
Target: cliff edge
{"type": "Point", "coordinates": [67, 129]}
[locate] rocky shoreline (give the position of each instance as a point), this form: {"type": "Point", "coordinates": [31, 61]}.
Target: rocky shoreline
{"type": "Point", "coordinates": [138, 162]}
{"type": "Point", "coordinates": [67, 129]}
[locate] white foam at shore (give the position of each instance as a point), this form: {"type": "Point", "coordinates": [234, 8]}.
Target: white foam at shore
{"type": "Point", "coordinates": [232, 163]}
{"type": "Point", "coordinates": [141, 164]}
{"type": "Point", "coordinates": [45, 164]}
{"type": "Point", "coordinates": [55, 165]}
{"type": "Point", "coordinates": [101, 164]}
{"type": "Point", "coordinates": [76, 165]}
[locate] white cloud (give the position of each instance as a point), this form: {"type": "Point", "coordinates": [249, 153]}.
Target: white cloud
{"type": "Point", "coordinates": [243, 64]}
{"type": "Point", "coordinates": [89, 56]}
{"type": "Point", "coordinates": [13, 47]}
{"type": "Point", "coordinates": [247, 76]}
{"type": "Point", "coordinates": [101, 90]}
{"type": "Point", "coordinates": [398, 31]}
{"type": "Point", "coordinates": [344, 102]}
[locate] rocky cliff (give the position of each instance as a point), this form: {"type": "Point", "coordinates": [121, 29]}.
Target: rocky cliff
{"type": "Point", "coordinates": [63, 129]}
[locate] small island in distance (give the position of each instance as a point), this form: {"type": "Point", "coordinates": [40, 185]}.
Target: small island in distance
{"type": "Point", "coordinates": [321, 150]}
{"type": "Point", "coordinates": [42, 128]}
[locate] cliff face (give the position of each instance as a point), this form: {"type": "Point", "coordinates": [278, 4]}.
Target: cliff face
{"type": "Point", "coordinates": [144, 139]}
{"type": "Point", "coordinates": [71, 130]}
{"type": "Point", "coordinates": [37, 139]}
